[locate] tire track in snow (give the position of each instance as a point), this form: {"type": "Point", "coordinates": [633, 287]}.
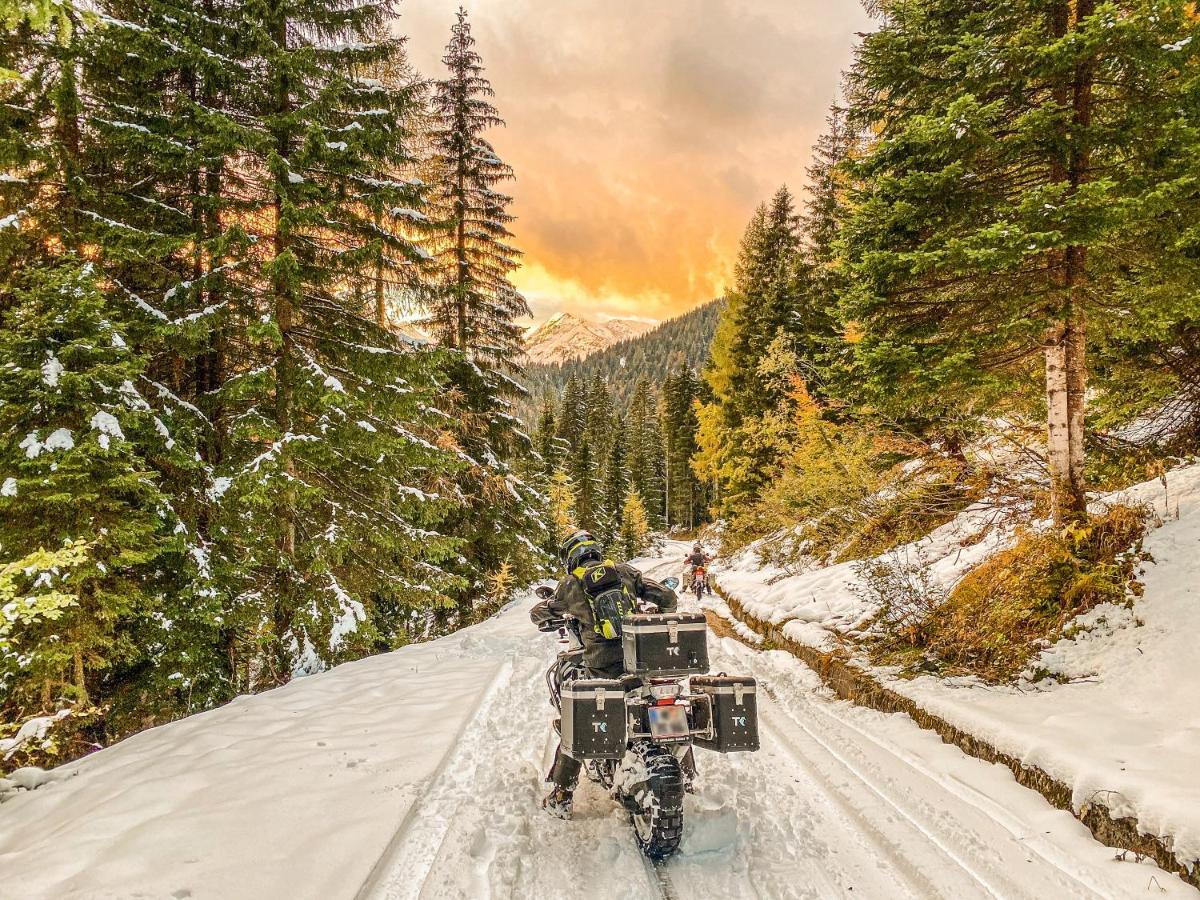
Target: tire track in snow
{"type": "Point", "coordinates": [423, 827]}
{"type": "Point", "coordinates": [965, 793]}
{"type": "Point", "coordinates": [887, 844]}
{"type": "Point", "coordinates": [941, 828]}
{"type": "Point", "coordinates": [660, 879]}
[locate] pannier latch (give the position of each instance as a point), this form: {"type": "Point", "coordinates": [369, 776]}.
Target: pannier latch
{"type": "Point", "coordinates": [739, 691]}
{"type": "Point", "coordinates": [600, 700]}
{"type": "Point", "coordinates": [673, 632]}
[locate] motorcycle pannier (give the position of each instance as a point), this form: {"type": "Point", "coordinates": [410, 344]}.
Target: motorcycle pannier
{"type": "Point", "coordinates": [593, 719]}
{"type": "Point", "coordinates": [665, 644]}
{"type": "Point", "coordinates": [734, 712]}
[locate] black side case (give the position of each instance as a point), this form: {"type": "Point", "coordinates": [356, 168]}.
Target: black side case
{"type": "Point", "coordinates": [665, 644]}
{"type": "Point", "coordinates": [732, 713]}
{"type": "Point", "coordinates": [593, 719]}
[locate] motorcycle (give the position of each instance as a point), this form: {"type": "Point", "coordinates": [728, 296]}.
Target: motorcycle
{"type": "Point", "coordinates": [700, 582]}
{"type": "Point", "coordinates": [635, 735]}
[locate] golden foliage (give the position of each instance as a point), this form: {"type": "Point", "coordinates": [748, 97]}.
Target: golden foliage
{"type": "Point", "coordinates": [1002, 611]}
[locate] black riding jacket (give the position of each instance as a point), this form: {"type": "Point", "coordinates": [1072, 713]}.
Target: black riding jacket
{"type": "Point", "coordinates": [600, 655]}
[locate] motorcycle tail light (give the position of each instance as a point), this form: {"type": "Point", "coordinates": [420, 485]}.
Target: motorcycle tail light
{"type": "Point", "coordinates": [664, 691]}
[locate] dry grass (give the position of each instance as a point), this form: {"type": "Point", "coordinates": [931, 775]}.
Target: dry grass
{"type": "Point", "coordinates": [916, 508]}
{"type": "Point", "coordinates": [1003, 611]}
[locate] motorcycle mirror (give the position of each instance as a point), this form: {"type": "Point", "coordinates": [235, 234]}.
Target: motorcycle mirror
{"type": "Point", "coordinates": [544, 591]}
{"type": "Point", "coordinates": [671, 582]}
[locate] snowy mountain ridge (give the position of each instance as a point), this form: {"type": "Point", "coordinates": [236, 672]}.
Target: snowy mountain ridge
{"type": "Point", "coordinates": [566, 336]}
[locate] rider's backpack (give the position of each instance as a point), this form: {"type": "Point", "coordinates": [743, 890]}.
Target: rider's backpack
{"type": "Point", "coordinates": [608, 597]}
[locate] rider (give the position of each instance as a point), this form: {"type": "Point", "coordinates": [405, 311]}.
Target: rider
{"type": "Point", "coordinates": [697, 559]}
{"type": "Point", "coordinates": [602, 657]}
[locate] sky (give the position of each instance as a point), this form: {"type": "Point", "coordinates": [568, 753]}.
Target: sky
{"type": "Point", "coordinates": [643, 133]}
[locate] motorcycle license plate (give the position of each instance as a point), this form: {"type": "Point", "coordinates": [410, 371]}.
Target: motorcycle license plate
{"type": "Point", "coordinates": [668, 723]}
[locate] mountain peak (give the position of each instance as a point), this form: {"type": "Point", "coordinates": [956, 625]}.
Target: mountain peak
{"type": "Point", "coordinates": [567, 336]}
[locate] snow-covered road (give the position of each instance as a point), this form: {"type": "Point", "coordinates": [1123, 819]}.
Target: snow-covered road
{"type": "Point", "coordinates": [840, 802]}
{"type": "Point", "coordinates": [419, 775]}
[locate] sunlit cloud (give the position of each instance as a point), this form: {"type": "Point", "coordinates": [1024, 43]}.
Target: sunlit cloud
{"type": "Point", "coordinates": [644, 134]}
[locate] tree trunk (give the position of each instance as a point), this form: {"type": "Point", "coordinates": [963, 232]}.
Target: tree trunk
{"type": "Point", "coordinates": [1058, 416]}
{"type": "Point", "coordinates": [284, 318]}
{"type": "Point", "coordinates": [1066, 343]}
{"type": "Point", "coordinates": [381, 318]}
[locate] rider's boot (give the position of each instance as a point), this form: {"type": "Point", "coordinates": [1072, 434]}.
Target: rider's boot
{"type": "Point", "coordinates": [558, 803]}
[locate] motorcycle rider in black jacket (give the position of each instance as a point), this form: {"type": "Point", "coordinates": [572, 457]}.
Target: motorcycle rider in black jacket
{"type": "Point", "coordinates": [601, 656]}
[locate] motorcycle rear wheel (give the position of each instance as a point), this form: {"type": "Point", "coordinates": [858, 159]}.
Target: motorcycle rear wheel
{"type": "Point", "coordinates": [658, 817]}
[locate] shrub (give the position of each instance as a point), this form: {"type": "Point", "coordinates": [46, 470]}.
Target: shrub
{"type": "Point", "coordinates": [1002, 611]}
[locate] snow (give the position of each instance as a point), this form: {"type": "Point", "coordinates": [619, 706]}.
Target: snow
{"type": "Point", "coordinates": [404, 212]}
{"type": "Point", "coordinates": [1119, 724]}
{"type": "Point", "coordinates": [51, 369]}
{"type": "Point", "coordinates": [9, 488]}
{"type": "Point", "coordinates": [60, 439]}
{"type": "Point", "coordinates": [108, 426]}
{"type": "Point", "coordinates": [565, 336]}
{"type": "Point", "coordinates": [351, 614]}
{"type": "Point", "coordinates": [418, 774]}
{"type": "Point", "coordinates": [32, 445]}
{"type": "Point", "coordinates": [219, 486]}
{"type": "Point", "coordinates": [31, 731]}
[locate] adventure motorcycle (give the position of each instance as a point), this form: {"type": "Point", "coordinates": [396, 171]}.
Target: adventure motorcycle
{"type": "Point", "coordinates": [700, 582]}
{"type": "Point", "coordinates": [634, 735]}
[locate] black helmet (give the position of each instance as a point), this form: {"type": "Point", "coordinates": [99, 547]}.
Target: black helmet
{"type": "Point", "coordinates": [579, 548]}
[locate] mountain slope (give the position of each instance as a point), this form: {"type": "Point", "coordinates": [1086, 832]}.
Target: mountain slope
{"type": "Point", "coordinates": [417, 774]}
{"type": "Point", "coordinates": [652, 354]}
{"type": "Point", "coordinates": [565, 336]}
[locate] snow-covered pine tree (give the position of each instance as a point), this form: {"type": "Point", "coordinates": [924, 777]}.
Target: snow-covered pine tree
{"type": "Point", "coordinates": [472, 311]}
{"type": "Point", "coordinates": [333, 486]}
{"type": "Point", "coordinates": [165, 123]}
{"type": "Point", "coordinates": [75, 232]}
{"type": "Point", "coordinates": [75, 437]}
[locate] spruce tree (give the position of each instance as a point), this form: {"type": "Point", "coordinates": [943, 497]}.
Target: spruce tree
{"type": "Point", "coordinates": [1029, 170]}
{"type": "Point", "coordinates": [614, 490]}
{"type": "Point", "coordinates": [548, 449]}
{"type": "Point", "coordinates": [571, 417]}
{"type": "Point", "coordinates": [331, 491]}
{"type": "Point", "coordinates": [76, 440]}
{"type": "Point", "coordinates": [473, 308]}
{"type": "Point", "coordinates": [586, 474]}
{"type": "Point", "coordinates": [476, 305]}
{"type": "Point", "coordinates": [679, 428]}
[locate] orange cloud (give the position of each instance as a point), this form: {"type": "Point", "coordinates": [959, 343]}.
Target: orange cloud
{"type": "Point", "coordinates": [644, 134]}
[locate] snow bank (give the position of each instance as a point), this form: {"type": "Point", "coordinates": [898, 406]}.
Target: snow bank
{"type": "Point", "coordinates": [291, 793]}
{"type": "Point", "coordinates": [1124, 728]}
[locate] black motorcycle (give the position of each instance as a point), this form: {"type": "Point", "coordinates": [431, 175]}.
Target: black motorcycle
{"type": "Point", "coordinates": [634, 735]}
